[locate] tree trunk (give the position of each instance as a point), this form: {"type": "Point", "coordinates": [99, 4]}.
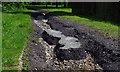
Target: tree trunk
{"type": "Point", "coordinates": [56, 4]}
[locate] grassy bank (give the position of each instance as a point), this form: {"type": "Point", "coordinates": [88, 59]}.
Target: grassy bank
{"type": "Point", "coordinates": [15, 33]}
{"type": "Point", "coordinates": [106, 28]}
{"type": "Point", "coordinates": [0, 41]}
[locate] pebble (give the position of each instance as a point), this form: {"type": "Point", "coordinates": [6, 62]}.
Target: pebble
{"type": "Point", "coordinates": [65, 61]}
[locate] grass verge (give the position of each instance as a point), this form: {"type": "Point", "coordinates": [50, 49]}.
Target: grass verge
{"type": "Point", "coordinates": [107, 28]}
{"type": "Point", "coordinates": [15, 32]}
{"type": "Point", "coordinates": [0, 41]}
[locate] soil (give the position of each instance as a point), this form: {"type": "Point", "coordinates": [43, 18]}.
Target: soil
{"type": "Point", "coordinates": [102, 53]}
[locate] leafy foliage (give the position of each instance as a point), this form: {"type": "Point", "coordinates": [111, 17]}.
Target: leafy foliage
{"type": "Point", "coordinates": [12, 6]}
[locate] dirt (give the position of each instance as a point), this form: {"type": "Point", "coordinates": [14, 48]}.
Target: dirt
{"type": "Point", "coordinates": [102, 53]}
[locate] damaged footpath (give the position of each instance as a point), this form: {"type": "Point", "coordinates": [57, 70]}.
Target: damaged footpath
{"type": "Point", "coordinates": [64, 45]}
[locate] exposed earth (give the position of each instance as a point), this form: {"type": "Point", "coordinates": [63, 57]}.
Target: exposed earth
{"type": "Point", "coordinates": [58, 44]}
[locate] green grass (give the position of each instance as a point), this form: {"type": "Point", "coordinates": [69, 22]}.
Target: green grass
{"type": "Point", "coordinates": [104, 27]}
{"type": "Point", "coordinates": [0, 41]}
{"type": "Point", "coordinates": [107, 28]}
{"type": "Point", "coordinates": [69, 10]}
{"type": "Point", "coordinates": [15, 33]}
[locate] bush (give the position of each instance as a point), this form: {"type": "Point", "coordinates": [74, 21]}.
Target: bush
{"type": "Point", "coordinates": [12, 6]}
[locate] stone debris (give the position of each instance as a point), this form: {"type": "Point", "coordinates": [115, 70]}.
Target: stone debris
{"type": "Point", "coordinates": [51, 36]}
{"type": "Point", "coordinates": [54, 33]}
{"type": "Point", "coordinates": [44, 20]}
{"type": "Point", "coordinates": [42, 25]}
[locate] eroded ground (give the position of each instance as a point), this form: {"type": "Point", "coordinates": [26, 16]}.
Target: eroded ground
{"type": "Point", "coordinates": [99, 52]}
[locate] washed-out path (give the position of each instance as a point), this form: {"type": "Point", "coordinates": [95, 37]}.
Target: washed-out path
{"type": "Point", "coordinates": [58, 44]}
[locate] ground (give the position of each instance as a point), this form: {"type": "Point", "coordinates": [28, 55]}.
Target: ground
{"type": "Point", "coordinates": [101, 51]}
